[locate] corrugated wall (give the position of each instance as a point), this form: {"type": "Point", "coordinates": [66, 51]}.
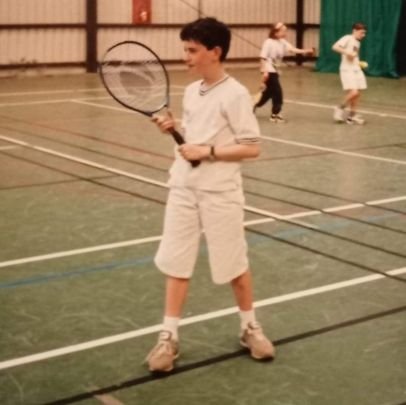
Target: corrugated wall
{"type": "Point", "coordinates": [42, 11]}
{"type": "Point", "coordinates": [246, 41]}
{"type": "Point", "coordinates": [48, 44]}
{"type": "Point", "coordinates": [42, 45]}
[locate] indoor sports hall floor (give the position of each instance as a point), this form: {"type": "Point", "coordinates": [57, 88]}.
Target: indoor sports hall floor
{"type": "Point", "coordinates": [82, 201]}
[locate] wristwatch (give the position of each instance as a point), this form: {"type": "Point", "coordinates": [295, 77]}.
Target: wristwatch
{"type": "Point", "coordinates": [212, 156]}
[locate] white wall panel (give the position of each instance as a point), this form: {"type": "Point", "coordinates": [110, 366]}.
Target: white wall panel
{"type": "Point", "coordinates": [251, 11]}
{"type": "Point", "coordinates": [174, 11]}
{"type": "Point", "coordinates": [179, 11]}
{"type": "Point", "coordinates": [312, 11]}
{"type": "Point", "coordinates": [114, 11]}
{"type": "Point", "coordinates": [311, 39]}
{"type": "Point", "coordinates": [163, 11]}
{"type": "Point", "coordinates": [165, 42]}
{"type": "Point", "coordinates": [42, 11]}
{"type": "Point", "coordinates": [246, 42]}
{"type": "Point", "coordinates": [42, 46]}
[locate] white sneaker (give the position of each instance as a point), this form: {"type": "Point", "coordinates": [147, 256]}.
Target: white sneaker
{"type": "Point", "coordinates": [355, 119]}
{"type": "Point", "coordinates": [163, 355]}
{"type": "Point", "coordinates": [277, 118]}
{"type": "Point", "coordinates": [339, 114]}
{"type": "Point", "coordinates": [256, 342]}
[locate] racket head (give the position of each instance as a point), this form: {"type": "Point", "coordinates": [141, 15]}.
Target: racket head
{"type": "Point", "coordinates": [134, 75]}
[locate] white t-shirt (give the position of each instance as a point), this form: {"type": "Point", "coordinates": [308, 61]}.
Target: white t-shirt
{"type": "Point", "coordinates": [273, 51]}
{"type": "Point", "coordinates": [349, 43]}
{"type": "Point", "coordinates": [222, 116]}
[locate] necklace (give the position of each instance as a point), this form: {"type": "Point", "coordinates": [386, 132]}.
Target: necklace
{"type": "Point", "coordinates": [204, 89]}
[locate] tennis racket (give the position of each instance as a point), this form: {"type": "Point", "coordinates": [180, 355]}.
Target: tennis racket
{"type": "Point", "coordinates": [134, 76]}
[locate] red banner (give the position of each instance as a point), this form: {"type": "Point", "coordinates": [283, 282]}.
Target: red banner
{"type": "Point", "coordinates": [141, 11]}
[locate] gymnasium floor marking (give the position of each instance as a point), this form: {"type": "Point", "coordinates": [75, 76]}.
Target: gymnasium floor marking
{"type": "Point", "coordinates": [330, 107]}
{"type": "Point", "coordinates": [193, 319]}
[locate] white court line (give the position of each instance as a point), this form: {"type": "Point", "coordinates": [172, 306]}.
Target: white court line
{"type": "Point", "coordinates": [346, 207]}
{"type": "Point", "coordinates": [56, 101]}
{"type": "Point", "coordinates": [130, 175]}
{"type": "Point", "coordinates": [181, 87]}
{"type": "Point", "coordinates": [301, 144]}
{"type": "Point", "coordinates": [331, 107]}
{"type": "Point", "coordinates": [191, 320]}
{"type": "Point", "coordinates": [151, 239]}
{"type": "Point", "coordinates": [270, 214]}
{"type": "Point", "coordinates": [9, 147]}
{"type": "Point", "coordinates": [65, 100]}
{"type": "Point", "coordinates": [337, 151]}
{"type": "Point", "coordinates": [39, 92]}
{"type": "Point", "coordinates": [118, 245]}
{"type": "Point", "coordinates": [386, 200]}
{"type": "Point", "coordinates": [84, 161]}
{"type": "Point", "coordinates": [33, 93]}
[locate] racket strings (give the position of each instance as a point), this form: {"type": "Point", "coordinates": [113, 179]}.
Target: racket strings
{"type": "Point", "coordinates": [136, 78]}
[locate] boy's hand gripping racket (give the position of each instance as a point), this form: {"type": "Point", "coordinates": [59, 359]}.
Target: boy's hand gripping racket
{"type": "Point", "coordinates": [134, 76]}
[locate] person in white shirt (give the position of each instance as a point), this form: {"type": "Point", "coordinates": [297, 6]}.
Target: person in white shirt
{"type": "Point", "coordinates": [273, 50]}
{"type": "Point", "coordinates": [351, 75]}
{"type": "Point", "coordinates": [220, 130]}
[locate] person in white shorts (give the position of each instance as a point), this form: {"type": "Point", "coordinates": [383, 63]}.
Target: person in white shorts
{"type": "Point", "coordinates": [273, 50]}
{"type": "Point", "coordinates": [351, 74]}
{"type": "Point", "coordinates": [220, 130]}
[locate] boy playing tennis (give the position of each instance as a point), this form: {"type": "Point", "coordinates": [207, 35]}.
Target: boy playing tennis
{"type": "Point", "coordinates": [351, 75]}
{"type": "Point", "coordinates": [220, 130]}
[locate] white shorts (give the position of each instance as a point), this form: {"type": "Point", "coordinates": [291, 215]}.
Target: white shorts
{"type": "Point", "coordinates": [221, 215]}
{"type": "Point", "coordinates": [353, 79]}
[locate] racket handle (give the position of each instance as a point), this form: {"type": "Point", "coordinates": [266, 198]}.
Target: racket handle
{"type": "Point", "coordinates": [180, 141]}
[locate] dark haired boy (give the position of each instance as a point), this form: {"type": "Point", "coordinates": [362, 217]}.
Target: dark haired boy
{"type": "Point", "coordinates": [351, 75]}
{"type": "Point", "coordinates": [220, 130]}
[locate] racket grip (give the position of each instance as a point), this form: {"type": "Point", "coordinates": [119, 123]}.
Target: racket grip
{"type": "Point", "coordinates": [180, 141]}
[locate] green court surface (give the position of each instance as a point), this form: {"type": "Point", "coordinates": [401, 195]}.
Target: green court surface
{"type": "Point", "coordinates": [82, 200]}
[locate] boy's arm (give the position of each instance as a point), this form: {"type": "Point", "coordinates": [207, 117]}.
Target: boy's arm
{"type": "Point", "coordinates": [305, 51]}
{"type": "Point", "coordinates": [231, 153]}
{"type": "Point", "coordinates": [293, 49]}
{"type": "Point", "coordinates": [339, 47]}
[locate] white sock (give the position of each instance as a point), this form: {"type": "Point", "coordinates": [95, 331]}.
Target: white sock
{"type": "Point", "coordinates": [246, 318]}
{"type": "Point", "coordinates": [171, 324]}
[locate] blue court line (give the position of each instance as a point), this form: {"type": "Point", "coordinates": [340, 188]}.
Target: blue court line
{"type": "Point", "coordinates": [119, 265]}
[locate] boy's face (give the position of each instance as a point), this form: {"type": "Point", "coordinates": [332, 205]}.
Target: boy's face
{"type": "Point", "coordinates": [359, 34]}
{"type": "Point", "coordinates": [282, 32]}
{"type": "Point", "coordinates": [198, 58]}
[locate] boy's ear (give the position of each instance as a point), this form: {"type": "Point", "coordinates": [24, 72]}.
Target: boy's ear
{"type": "Point", "coordinates": [217, 52]}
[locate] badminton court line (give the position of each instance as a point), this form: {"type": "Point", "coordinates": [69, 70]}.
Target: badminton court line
{"type": "Point", "coordinates": [336, 151]}
{"type": "Point", "coordinates": [192, 320]}
{"type": "Point", "coordinates": [45, 92]}
{"type": "Point", "coordinates": [133, 242]}
{"type": "Point", "coordinates": [331, 107]}
{"type": "Point", "coordinates": [272, 139]}
{"type": "Point", "coordinates": [136, 177]}
{"type": "Point", "coordinates": [268, 214]}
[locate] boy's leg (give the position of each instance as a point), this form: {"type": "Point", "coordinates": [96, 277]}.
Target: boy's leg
{"type": "Point", "coordinates": [339, 111]}
{"type": "Point", "coordinates": [175, 297]}
{"type": "Point", "coordinates": [176, 258]}
{"type": "Point", "coordinates": [222, 215]}
{"type": "Point", "coordinates": [277, 99]}
{"type": "Point", "coordinates": [265, 95]}
{"type": "Point", "coordinates": [242, 287]}
{"type": "Point", "coordinates": [353, 117]}
{"type": "Point", "coordinates": [252, 336]}
{"type": "Point", "coordinates": [166, 351]}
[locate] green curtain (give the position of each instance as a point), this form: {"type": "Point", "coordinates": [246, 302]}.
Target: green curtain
{"type": "Point", "coordinates": [379, 46]}
{"type": "Point", "coordinates": [401, 42]}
